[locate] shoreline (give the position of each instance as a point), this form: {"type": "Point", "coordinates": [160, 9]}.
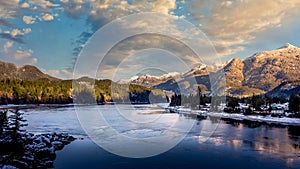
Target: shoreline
{"type": "Point", "coordinates": [33, 106]}
{"type": "Point", "coordinates": [55, 105]}
{"type": "Point", "coordinates": [287, 121]}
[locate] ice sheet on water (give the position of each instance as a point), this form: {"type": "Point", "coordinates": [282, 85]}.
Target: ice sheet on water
{"type": "Point", "coordinates": [142, 133]}
{"type": "Point", "coordinates": [60, 120]}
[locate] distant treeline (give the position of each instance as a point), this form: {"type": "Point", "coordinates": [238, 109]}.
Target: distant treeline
{"type": "Point", "coordinates": [193, 101]}
{"type": "Point", "coordinates": [45, 91]}
{"type": "Point", "coordinates": [255, 102]}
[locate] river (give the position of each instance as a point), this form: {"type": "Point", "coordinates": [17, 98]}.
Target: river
{"type": "Point", "coordinates": [232, 144]}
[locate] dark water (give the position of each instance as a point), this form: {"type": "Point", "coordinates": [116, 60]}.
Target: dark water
{"type": "Point", "coordinates": [233, 145]}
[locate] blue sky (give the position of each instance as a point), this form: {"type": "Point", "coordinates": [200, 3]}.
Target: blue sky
{"type": "Point", "coordinates": [50, 34]}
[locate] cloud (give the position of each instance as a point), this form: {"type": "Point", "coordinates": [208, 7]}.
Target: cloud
{"type": "Point", "coordinates": [75, 8]}
{"type": "Point", "coordinates": [20, 57]}
{"type": "Point", "coordinates": [15, 35]}
{"type": "Point", "coordinates": [26, 30]}
{"type": "Point", "coordinates": [64, 72]}
{"type": "Point", "coordinates": [53, 72]}
{"type": "Point", "coordinates": [229, 24]}
{"type": "Point", "coordinates": [8, 9]}
{"type": "Point", "coordinates": [79, 43]}
{"type": "Point", "coordinates": [47, 17]}
{"type": "Point", "coordinates": [163, 6]}
{"type": "Point", "coordinates": [16, 32]}
{"type": "Point", "coordinates": [100, 13]}
{"type": "Point", "coordinates": [7, 46]}
{"type": "Point", "coordinates": [162, 50]}
{"type": "Point", "coordinates": [12, 9]}
{"type": "Point", "coordinates": [170, 38]}
{"type": "Point", "coordinates": [104, 11]}
{"type": "Point", "coordinates": [245, 17]}
{"type": "Point", "coordinates": [21, 54]}
{"type": "Point", "coordinates": [44, 5]}
{"type": "Point", "coordinates": [232, 24]}
{"type": "Point", "coordinates": [29, 20]}
{"type": "Point", "coordinates": [8, 36]}
{"type": "Point", "coordinates": [25, 5]}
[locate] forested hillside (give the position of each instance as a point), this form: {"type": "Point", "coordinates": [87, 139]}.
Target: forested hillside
{"type": "Point", "coordinates": [45, 91]}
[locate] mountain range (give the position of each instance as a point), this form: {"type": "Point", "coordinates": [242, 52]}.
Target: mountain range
{"type": "Point", "coordinates": [260, 73]}
{"type": "Point", "coordinates": [274, 72]}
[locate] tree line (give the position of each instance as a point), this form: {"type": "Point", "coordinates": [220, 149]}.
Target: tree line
{"type": "Point", "coordinates": [255, 102]}
{"type": "Point", "coordinates": [44, 91]}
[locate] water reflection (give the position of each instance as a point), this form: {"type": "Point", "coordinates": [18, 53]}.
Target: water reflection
{"type": "Point", "coordinates": [234, 144]}
{"type": "Point", "coordinates": [278, 141]}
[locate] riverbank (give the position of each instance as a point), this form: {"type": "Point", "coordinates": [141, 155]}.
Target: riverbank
{"type": "Point", "coordinates": [23, 149]}
{"type": "Point", "coordinates": [269, 119]}
{"type": "Point", "coordinates": [30, 150]}
{"type": "Point", "coordinates": [257, 118]}
{"type": "Point", "coordinates": [33, 106]}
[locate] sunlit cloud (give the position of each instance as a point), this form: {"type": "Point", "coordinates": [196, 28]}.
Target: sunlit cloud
{"type": "Point", "coordinates": [29, 20]}
{"type": "Point", "coordinates": [232, 24]}
{"type": "Point", "coordinates": [47, 17]}
{"type": "Point", "coordinates": [25, 5]}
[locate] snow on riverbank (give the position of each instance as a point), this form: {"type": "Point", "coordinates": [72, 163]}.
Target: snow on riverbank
{"type": "Point", "coordinates": [240, 117]}
{"type": "Point", "coordinates": [257, 118]}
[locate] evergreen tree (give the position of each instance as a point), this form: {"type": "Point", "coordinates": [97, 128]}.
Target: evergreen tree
{"type": "Point", "coordinates": [257, 102]}
{"type": "Point", "coordinates": [294, 103]}
{"type": "Point", "coordinates": [233, 103]}
{"type": "Point", "coordinates": [16, 121]}
{"type": "Point", "coordinates": [3, 121]}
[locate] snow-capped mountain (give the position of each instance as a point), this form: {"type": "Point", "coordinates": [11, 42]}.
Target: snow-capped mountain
{"type": "Point", "coordinates": [258, 74]}
{"type": "Point", "coordinates": [149, 80]}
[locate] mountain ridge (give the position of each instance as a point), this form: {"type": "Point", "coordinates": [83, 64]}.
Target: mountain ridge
{"type": "Point", "coordinates": [25, 72]}
{"type": "Point", "coordinates": [258, 74]}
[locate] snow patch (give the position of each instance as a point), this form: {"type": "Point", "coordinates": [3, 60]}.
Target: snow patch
{"type": "Point", "coordinates": [267, 119]}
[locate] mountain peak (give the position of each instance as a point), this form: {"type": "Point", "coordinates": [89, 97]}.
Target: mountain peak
{"type": "Point", "coordinates": [287, 45]}
{"type": "Point", "coordinates": [26, 72]}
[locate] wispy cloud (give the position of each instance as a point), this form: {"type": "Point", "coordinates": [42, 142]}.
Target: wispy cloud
{"type": "Point", "coordinates": [232, 24]}
{"type": "Point", "coordinates": [8, 36]}
{"type": "Point", "coordinates": [20, 57]}
{"type": "Point", "coordinates": [43, 5]}
{"type": "Point", "coordinates": [15, 35]}
{"type": "Point", "coordinates": [100, 13]}
{"type": "Point", "coordinates": [16, 8]}
{"type": "Point", "coordinates": [7, 45]}
{"type": "Point", "coordinates": [64, 72]}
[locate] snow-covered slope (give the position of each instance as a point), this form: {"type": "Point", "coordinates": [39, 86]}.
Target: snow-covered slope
{"type": "Point", "coordinates": [149, 80]}
{"type": "Point", "coordinates": [258, 74]}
